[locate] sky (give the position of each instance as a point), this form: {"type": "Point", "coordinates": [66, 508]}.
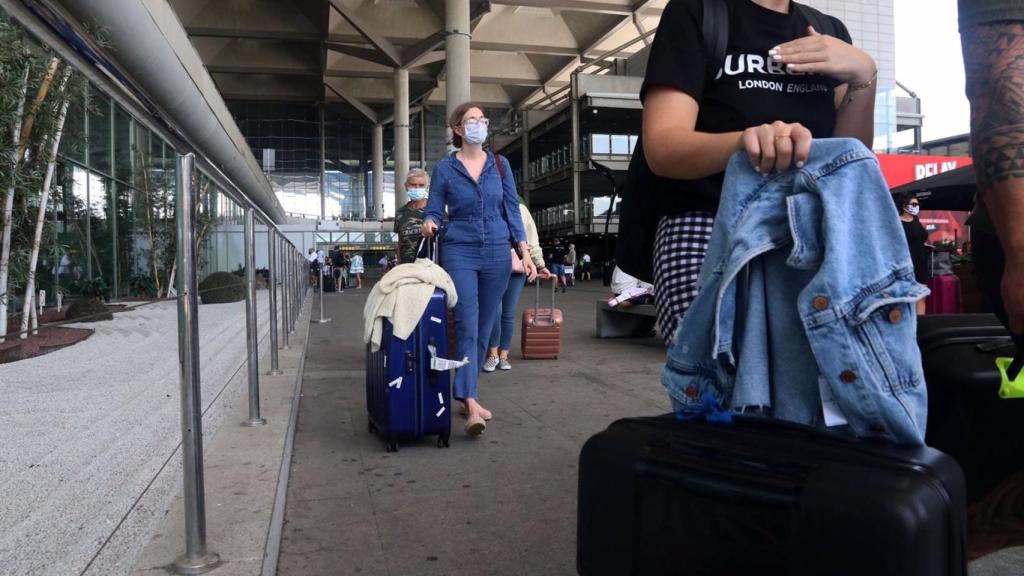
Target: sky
{"type": "Point", "coordinates": [929, 62]}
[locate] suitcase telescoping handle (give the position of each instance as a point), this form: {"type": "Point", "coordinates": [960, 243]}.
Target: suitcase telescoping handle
{"type": "Point", "coordinates": [431, 245]}
{"type": "Point", "coordinates": [536, 300]}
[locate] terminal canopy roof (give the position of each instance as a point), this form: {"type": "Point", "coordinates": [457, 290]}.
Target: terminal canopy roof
{"type": "Point", "coordinates": [345, 51]}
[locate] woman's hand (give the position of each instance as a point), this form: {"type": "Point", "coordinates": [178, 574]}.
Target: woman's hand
{"type": "Point", "coordinates": [822, 54]}
{"type": "Point", "coordinates": [776, 146]}
{"type": "Point", "coordinates": [528, 266]}
{"type": "Point", "coordinates": [544, 274]}
{"type": "Point", "coordinates": [428, 228]}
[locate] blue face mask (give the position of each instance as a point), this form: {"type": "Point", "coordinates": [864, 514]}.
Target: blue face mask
{"type": "Point", "coordinates": [417, 194]}
{"type": "Point", "coordinates": [475, 133]}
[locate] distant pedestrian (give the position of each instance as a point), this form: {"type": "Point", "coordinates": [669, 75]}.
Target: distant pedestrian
{"type": "Point", "coordinates": [585, 267]}
{"type": "Point", "coordinates": [557, 262]}
{"type": "Point", "coordinates": [314, 267]}
{"type": "Point", "coordinates": [570, 266]}
{"type": "Point", "coordinates": [357, 269]}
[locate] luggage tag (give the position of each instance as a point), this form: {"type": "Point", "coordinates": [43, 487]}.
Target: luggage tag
{"type": "Point", "coordinates": [442, 364]}
{"type": "Point", "coordinates": [1012, 385]}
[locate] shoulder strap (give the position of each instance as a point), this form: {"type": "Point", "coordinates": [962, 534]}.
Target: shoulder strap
{"type": "Point", "coordinates": [714, 28]}
{"type": "Point", "coordinates": [821, 23]}
{"type": "Point", "coordinates": [500, 161]}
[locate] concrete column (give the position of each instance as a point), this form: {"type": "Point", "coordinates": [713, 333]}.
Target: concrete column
{"type": "Point", "coordinates": [456, 46]}
{"type": "Point", "coordinates": [401, 135]}
{"type": "Point", "coordinates": [378, 170]}
{"type": "Point", "coordinates": [323, 165]}
{"type": "Point", "coordinates": [423, 137]}
{"type": "Point", "coordinates": [577, 200]}
{"type": "Point", "coordinates": [524, 184]}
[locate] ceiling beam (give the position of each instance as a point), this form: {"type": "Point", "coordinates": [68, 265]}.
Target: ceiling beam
{"type": "Point", "coordinates": [382, 44]}
{"type": "Point", "coordinates": [413, 54]}
{"type": "Point", "coordinates": [260, 70]}
{"type": "Point", "coordinates": [368, 54]}
{"type": "Point", "coordinates": [571, 5]}
{"type": "Point", "coordinates": [416, 52]}
{"type": "Point", "coordinates": [213, 32]}
{"type": "Point", "coordinates": [381, 74]}
{"type": "Point", "coordinates": [637, 6]}
{"type": "Point", "coordinates": [391, 115]}
{"type": "Point", "coordinates": [524, 48]}
{"type": "Point", "coordinates": [355, 102]}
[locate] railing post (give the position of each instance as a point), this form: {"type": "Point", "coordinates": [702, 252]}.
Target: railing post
{"type": "Point", "coordinates": [197, 559]}
{"type": "Point", "coordinates": [275, 362]}
{"type": "Point", "coordinates": [252, 341]}
{"type": "Point", "coordinates": [286, 293]}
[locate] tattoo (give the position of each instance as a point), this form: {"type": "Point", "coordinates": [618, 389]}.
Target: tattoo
{"type": "Point", "coordinates": [994, 65]}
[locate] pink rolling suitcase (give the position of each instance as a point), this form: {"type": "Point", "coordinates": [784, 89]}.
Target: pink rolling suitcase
{"type": "Point", "coordinates": [945, 296]}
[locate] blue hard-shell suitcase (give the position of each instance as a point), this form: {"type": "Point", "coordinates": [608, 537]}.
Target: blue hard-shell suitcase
{"type": "Point", "coordinates": [404, 397]}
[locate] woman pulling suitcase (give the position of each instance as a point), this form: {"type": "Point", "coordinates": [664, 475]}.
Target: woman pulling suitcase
{"type": "Point", "coordinates": [476, 251]}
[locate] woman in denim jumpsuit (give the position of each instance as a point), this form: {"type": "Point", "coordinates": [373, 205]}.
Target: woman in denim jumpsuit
{"type": "Point", "coordinates": [483, 218]}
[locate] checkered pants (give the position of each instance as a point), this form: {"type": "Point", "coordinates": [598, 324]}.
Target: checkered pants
{"type": "Point", "coordinates": [679, 249]}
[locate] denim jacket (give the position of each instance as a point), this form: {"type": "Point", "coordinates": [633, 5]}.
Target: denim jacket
{"type": "Point", "coordinates": [479, 212]}
{"type": "Point", "coordinates": [826, 307]}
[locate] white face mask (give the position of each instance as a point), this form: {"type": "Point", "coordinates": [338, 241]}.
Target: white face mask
{"type": "Point", "coordinates": [475, 133]}
{"type": "Point", "coordinates": [913, 210]}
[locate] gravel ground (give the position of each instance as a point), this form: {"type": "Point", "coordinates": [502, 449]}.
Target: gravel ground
{"type": "Point", "coordinates": [86, 431]}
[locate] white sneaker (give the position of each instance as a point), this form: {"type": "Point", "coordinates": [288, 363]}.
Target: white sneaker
{"type": "Point", "coordinates": [503, 364]}
{"type": "Point", "coordinates": [490, 364]}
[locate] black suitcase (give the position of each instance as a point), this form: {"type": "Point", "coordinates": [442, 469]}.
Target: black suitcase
{"type": "Point", "coordinates": [966, 417]}
{"type": "Point", "coordinates": [663, 497]}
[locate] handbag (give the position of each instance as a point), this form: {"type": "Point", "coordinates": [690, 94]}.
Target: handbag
{"type": "Point", "coordinates": [517, 263]}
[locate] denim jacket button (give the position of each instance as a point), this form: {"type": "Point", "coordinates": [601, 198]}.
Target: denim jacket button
{"type": "Point", "coordinates": [895, 316]}
{"type": "Point", "coordinates": [691, 391]}
{"type": "Point", "coordinates": [820, 303]}
{"type": "Point", "coordinates": [848, 376]}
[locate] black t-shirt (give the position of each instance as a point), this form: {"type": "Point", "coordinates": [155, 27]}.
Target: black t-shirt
{"type": "Point", "coordinates": [558, 254]}
{"type": "Point", "coordinates": [917, 236]}
{"type": "Point", "coordinates": [748, 88]}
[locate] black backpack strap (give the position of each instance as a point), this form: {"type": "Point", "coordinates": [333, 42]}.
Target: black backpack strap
{"type": "Point", "coordinates": [714, 28]}
{"type": "Point", "coordinates": [821, 23]}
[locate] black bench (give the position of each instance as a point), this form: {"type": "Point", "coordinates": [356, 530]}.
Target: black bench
{"type": "Point", "coordinates": [625, 322]}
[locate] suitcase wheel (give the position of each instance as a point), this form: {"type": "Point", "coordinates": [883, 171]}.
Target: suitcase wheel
{"type": "Point", "coordinates": [371, 428]}
{"type": "Point", "coordinates": [443, 440]}
{"type": "Point", "coordinates": [391, 446]}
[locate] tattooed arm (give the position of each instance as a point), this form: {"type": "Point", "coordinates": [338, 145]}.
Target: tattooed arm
{"type": "Point", "coordinates": [994, 64]}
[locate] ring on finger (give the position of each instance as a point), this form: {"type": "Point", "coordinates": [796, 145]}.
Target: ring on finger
{"type": "Point", "coordinates": [780, 136]}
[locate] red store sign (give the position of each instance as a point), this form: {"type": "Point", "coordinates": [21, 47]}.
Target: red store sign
{"type": "Point", "coordinates": [900, 169]}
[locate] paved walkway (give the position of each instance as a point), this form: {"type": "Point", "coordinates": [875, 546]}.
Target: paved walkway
{"type": "Point", "coordinates": [502, 504]}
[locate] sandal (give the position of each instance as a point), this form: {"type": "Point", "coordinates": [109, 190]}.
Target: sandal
{"type": "Point", "coordinates": [475, 426]}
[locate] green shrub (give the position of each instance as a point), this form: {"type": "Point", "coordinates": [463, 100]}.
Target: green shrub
{"type": "Point", "coordinates": [221, 287]}
{"type": "Point", "coordinates": [95, 288]}
{"type": "Point", "coordinates": [142, 285]}
{"type": "Point", "coordinates": [88, 310]}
